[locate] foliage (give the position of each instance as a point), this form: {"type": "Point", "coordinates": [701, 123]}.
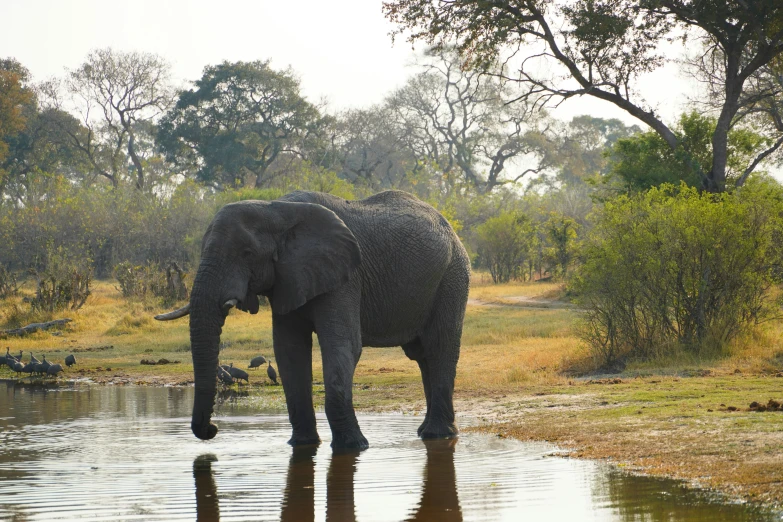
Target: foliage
{"type": "Point", "coordinates": [504, 242]}
{"type": "Point", "coordinates": [561, 232]}
{"type": "Point", "coordinates": [107, 225]}
{"type": "Point", "coordinates": [14, 97]}
{"type": "Point", "coordinates": [63, 283]}
{"type": "Point", "coordinates": [303, 175]}
{"type": "Point", "coordinates": [645, 160]}
{"type": "Point", "coordinates": [236, 122]}
{"type": "Point", "coordinates": [675, 269]}
{"type": "Point", "coordinates": [579, 149]}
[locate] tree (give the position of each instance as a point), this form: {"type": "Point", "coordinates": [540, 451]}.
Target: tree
{"type": "Point", "coordinates": [14, 99]}
{"type": "Point", "coordinates": [580, 149]}
{"type": "Point", "coordinates": [113, 93]}
{"type": "Point", "coordinates": [371, 149]}
{"type": "Point", "coordinates": [561, 233]}
{"type": "Point", "coordinates": [237, 121]}
{"type": "Point", "coordinates": [601, 48]}
{"type": "Point", "coordinates": [504, 242]}
{"type": "Point", "coordinates": [460, 119]}
{"type": "Point", "coordinates": [644, 160]}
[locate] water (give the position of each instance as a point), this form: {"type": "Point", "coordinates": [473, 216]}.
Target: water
{"type": "Point", "coordinates": [127, 453]}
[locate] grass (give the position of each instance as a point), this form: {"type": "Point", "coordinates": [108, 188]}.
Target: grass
{"type": "Point", "coordinates": [518, 375]}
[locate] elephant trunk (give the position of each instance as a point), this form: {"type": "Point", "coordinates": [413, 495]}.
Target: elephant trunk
{"type": "Point", "coordinates": [206, 324]}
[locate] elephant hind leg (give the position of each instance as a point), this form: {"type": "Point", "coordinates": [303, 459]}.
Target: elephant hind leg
{"type": "Point", "coordinates": [440, 341]}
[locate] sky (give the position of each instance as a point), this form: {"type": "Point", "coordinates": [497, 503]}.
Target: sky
{"type": "Point", "coordinates": [341, 49]}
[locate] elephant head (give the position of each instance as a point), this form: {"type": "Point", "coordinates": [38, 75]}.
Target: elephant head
{"type": "Point", "coordinates": [287, 251]}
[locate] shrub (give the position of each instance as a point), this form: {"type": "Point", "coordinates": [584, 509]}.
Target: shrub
{"type": "Point", "coordinates": [63, 283]}
{"type": "Point", "coordinates": [146, 280]}
{"type": "Point", "coordinates": [139, 280]}
{"type": "Point", "coordinates": [675, 269]}
{"type": "Point", "coordinates": [9, 287]}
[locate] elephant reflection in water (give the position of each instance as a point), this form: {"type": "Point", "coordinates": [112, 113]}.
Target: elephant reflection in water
{"type": "Point", "coordinates": [207, 506]}
{"type": "Point", "coordinates": [439, 500]}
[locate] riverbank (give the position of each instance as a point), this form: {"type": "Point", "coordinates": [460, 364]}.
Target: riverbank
{"type": "Point", "coordinates": [519, 374]}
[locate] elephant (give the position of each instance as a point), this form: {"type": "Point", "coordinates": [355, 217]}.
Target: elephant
{"type": "Point", "coordinates": [384, 271]}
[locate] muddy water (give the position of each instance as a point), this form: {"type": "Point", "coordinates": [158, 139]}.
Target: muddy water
{"type": "Point", "coordinates": [126, 453]}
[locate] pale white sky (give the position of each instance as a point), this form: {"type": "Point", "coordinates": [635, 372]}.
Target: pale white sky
{"type": "Point", "coordinates": [341, 49]}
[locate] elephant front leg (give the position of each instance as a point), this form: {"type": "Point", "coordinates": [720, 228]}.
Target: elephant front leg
{"type": "Point", "coordinates": [340, 354]}
{"type": "Point", "coordinates": [293, 343]}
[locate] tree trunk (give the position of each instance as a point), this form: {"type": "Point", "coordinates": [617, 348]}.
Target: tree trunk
{"type": "Point", "coordinates": [136, 161]}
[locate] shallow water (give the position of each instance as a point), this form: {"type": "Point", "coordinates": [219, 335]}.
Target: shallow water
{"type": "Point", "coordinates": [127, 453]}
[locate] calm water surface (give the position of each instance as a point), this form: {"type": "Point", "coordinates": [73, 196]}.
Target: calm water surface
{"type": "Point", "coordinates": [127, 453]}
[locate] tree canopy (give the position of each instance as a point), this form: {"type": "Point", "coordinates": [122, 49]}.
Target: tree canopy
{"type": "Point", "coordinates": [237, 121]}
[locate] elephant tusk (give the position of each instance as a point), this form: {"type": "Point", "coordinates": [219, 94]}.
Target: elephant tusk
{"type": "Point", "coordinates": [228, 305]}
{"type": "Point", "coordinates": [176, 314]}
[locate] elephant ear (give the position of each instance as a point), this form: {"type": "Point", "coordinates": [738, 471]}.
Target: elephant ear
{"type": "Point", "coordinates": [316, 254]}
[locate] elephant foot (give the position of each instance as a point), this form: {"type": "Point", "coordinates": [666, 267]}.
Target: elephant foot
{"type": "Point", "coordinates": [422, 426]}
{"type": "Point", "coordinates": [438, 430]}
{"type": "Point", "coordinates": [304, 440]}
{"type": "Point", "coordinates": [349, 441]}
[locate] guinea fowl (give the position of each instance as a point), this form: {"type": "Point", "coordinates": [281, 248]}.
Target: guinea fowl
{"type": "Point", "coordinates": [29, 367]}
{"type": "Point", "coordinates": [54, 369]}
{"type": "Point", "coordinates": [224, 376]}
{"type": "Point", "coordinates": [70, 361]}
{"type": "Point", "coordinates": [256, 362]}
{"type": "Point", "coordinates": [44, 366]}
{"type": "Point", "coordinates": [34, 360]}
{"type": "Point", "coordinates": [271, 372]}
{"type": "Point", "coordinates": [238, 374]}
{"type": "Point", "coordinates": [17, 367]}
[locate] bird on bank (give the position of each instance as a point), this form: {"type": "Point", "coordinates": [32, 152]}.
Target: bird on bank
{"type": "Point", "coordinates": [271, 372]}
{"type": "Point", "coordinates": [33, 359]}
{"type": "Point", "coordinates": [256, 362]}
{"type": "Point", "coordinates": [17, 367]}
{"type": "Point", "coordinates": [70, 361]}
{"type": "Point", "coordinates": [224, 376]}
{"type": "Point", "coordinates": [44, 366]}
{"type": "Point", "coordinates": [54, 369]}
{"type": "Point", "coordinates": [238, 374]}
{"type": "Point", "coordinates": [29, 367]}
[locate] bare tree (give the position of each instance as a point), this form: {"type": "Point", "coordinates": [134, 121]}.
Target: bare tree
{"type": "Point", "coordinates": [113, 93]}
{"type": "Point", "coordinates": [460, 118]}
{"type": "Point", "coordinates": [371, 149]}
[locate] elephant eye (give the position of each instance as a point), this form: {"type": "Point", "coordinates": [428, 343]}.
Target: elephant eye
{"type": "Point", "coordinates": [247, 254]}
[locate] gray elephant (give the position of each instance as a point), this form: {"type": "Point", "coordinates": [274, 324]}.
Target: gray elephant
{"type": "Point", "coordinates": [384, 271]}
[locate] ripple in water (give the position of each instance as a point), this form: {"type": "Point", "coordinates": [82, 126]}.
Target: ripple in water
{"type": "Point", "coordinates": [109, 453]}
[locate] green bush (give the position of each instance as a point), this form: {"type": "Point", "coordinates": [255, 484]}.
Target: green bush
{"type": "Point", "coordinates": [673, 269]}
